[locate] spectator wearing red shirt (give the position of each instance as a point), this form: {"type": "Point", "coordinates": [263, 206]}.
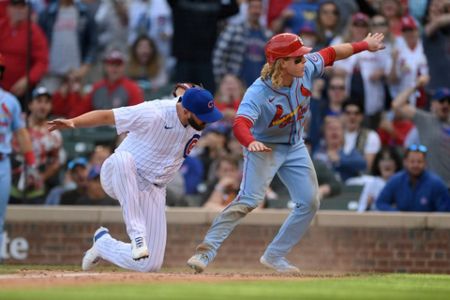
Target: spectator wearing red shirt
{"type": "Point", "coordinates": [68, 99]}
{"type": "Point", "coordinates": [14, 46]}
{"type": "Point", "coordinates": [115, 90]}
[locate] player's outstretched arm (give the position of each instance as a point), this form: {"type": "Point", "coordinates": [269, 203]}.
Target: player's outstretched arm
{"type": "Point", "coordinates": [372, 43]}
{"type": "Point", "coordinates": [90, 119]}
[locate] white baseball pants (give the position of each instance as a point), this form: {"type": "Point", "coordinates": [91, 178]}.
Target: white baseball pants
{"type": "Point", "coordinates": [143, 213]}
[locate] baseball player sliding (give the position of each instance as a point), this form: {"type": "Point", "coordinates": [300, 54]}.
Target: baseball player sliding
{"type": "Point", "coordinates": [269, 124]}
{"type": "Point", "coordinates": [161, 133]}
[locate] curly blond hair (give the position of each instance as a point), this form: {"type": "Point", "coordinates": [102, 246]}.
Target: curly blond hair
{"type": "Point", "coordinates": [273, 72]}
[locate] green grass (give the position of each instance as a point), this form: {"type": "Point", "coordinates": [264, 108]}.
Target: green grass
{"type": "Point", "coordinates": [384, 287]}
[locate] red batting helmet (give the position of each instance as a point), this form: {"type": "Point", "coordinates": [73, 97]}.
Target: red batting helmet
{"type": "Point", "coordinates": [285, 45]}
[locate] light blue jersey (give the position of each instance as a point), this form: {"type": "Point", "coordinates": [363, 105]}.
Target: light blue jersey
{"type": "Point", "coordinates": [278, 115]}
{"type": "Point", "coordinates": [10, 120]}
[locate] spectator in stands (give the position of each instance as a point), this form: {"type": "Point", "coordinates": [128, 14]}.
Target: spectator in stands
{"type": "Point", "coordinates": [47, 148]}
{"type": "Point", "coordinates": [78, 170]}
{"type": "Point", "coordinates": [240, 47]}
{"type": "Point", "coordinates": [392, 10]}
{"type": "Point", "coordinates": [435, 43]}
{"type": "Point", "coordinates": [386, 163]}
{"type": "Point", "coordinates": [328, 21]}
{"type": "Point", "coordinates": [309, 35]}
{"type": "Point", "coordinates": [410, 63]}
{"type": "Point", "coordinates": [14, 47]}
{"type": "Point", "coordinates": [225, 185]}
{"type": "Point", "coordinates": [72, 34]}
{"type": "Point", "coordinates": [193, 51]}
{"type": "Point", "coordinates": [153, 18]}
{"type": "Point", "coordinates": [229, 96]}
{"type": "Point", "coordinates": [394, 129]}
{"type": "Point", "coordinates": [100, 154]}
{"type": "Point", "coordinates": [112, 25]}
{"type": "Point", "coordinates": [336, 96]}
{"type": "Point", "coordinates": [433, 127]}
{"type": "Point", "coordinates": [330, 106]}
{"type": "Point", "coordinates": [146, 66]}
{"type": "Point", "coordinates": [365, 72]}
{"type": "Point", "coordinates": [414, 188]}
{"type": "Point", "coordinates": [115, 89]}
{"type": "Point", "coordinates": [331, 152]}
{"type": "Point", "coordinates": [356, 137]}
{"type": "Point", "coordinates": [329, 183]}
{"type": "Point", "coordinates": [211, 147]}
{"type": "Point", "coordinates": [378, 23]}
{"type": "Point", "coordinates": [294, 15]}
{"type": "Point", "coordinates": [95, 195]}
{"type": "Point", "coordinates": [68, 99]}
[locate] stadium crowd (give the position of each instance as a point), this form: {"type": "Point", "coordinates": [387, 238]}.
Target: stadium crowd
{"type": "Point", "coordinates": [378, 120]}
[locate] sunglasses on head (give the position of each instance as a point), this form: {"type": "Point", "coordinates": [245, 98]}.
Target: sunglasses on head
{"type": "Point", "coordinates": [418, 148]}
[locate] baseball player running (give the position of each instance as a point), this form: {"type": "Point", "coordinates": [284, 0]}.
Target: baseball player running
{"type": "Point", "coordinates": [269, 124]}
{"type": "Point", "coordinates": [161, 133]}
{"type": "Point", "coordinates": [11, 122]}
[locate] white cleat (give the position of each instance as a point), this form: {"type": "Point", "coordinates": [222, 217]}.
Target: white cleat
{"type": "Point", "coordinates": [139, 248]}
{"type": "Point", "coordinates": [280, 264]}
{"type": "Point", "coordinates": [92, 256]}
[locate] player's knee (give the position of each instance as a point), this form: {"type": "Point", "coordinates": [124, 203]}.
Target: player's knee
{"type": "Point", "coordinates": [315, 202]}
{"type": "Point", "coordinates": [237, 211]}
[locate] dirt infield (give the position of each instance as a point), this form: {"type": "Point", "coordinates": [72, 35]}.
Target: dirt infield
{"type": "Point", "coordinates": [51, 278]}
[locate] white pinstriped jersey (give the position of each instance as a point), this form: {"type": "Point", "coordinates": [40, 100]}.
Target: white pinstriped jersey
{"type": "Point", "coordinates": [156, 139]}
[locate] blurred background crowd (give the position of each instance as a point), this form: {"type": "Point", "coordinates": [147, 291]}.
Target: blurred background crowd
{"type": "Point", "coordinates": [378, 130]}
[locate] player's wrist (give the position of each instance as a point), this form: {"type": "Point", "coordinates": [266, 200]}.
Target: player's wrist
{"type": "Point", "coordinates": [360, 46]}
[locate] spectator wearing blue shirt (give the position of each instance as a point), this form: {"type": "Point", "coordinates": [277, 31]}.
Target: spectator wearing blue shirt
{"type": "Point", "coordinates": [414, 188]}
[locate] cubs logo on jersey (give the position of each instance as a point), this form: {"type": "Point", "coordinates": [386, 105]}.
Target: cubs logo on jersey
{"type": "Point", "coordinates": [190, 145]}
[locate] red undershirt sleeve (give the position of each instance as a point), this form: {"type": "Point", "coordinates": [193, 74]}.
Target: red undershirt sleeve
{"type": "Point", "coordinates": [329, 56]}
{"type": "Point", "coordinates": [241, 130]}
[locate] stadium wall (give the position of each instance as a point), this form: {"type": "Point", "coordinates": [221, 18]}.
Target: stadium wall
{"type": "Point", "coordinates": [336, 241]}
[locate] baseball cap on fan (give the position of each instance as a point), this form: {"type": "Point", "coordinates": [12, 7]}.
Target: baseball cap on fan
{"type": "Point", "coordinates": [114, 57]}
{"type": "Point", "coordinates": [442, 94]}
{"type": "Point", "coordinates": [201, 103]}
{"type": "Point", "coordinates": [409, 23]}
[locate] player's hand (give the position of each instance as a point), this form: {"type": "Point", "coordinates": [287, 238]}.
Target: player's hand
{"type": "Point", "coordinates": [375, 41]}
{"type": "Point", "coordinates": [256, 146]}
{"type": "Point", "coordinates": [60, 124]}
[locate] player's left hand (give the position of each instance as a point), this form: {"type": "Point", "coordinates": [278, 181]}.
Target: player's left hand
{"type": "Point", "coordinates": [375, 41]}
{"type": "Point", "coordinates": [60, 124]}
{"type": "Point", "coordinates": [256, 146]}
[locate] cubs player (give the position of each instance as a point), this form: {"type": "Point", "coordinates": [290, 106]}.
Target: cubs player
{"type": "Point", "coordinates": [11, 122]}
{"type": "Point", "coordinates": [161, 133]}
{"type": "Point", "coordinates": [269, 124]}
